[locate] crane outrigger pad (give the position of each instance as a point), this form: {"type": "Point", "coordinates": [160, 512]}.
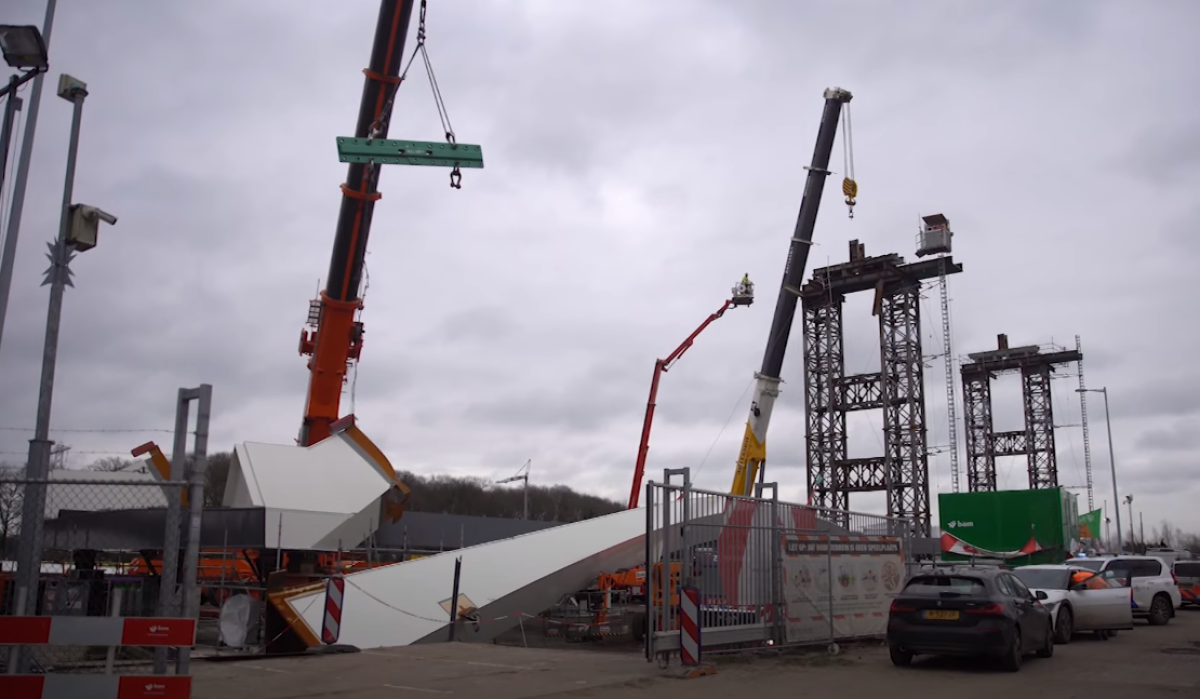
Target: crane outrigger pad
{"type": "Point", "coordinates": [394, 152]}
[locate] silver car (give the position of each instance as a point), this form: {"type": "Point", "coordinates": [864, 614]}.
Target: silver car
{"type": "Point", "coordinates": [1079, 600]}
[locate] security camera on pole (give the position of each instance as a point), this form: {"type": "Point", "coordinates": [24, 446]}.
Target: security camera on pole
{"type": "Point", "coordinates": [77, 232]}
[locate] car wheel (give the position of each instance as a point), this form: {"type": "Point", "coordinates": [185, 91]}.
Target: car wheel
{"type": "Point", "coordinates": [1011, 662]}
{"type": "Point", "coordinates": [1160, 610]}
{"type": "Point", "coordinates": [1064, 625]}
{"type": "Point", "coordinates": [900, 656]}
{"type": "Point", "coordinates": [1047, 649]}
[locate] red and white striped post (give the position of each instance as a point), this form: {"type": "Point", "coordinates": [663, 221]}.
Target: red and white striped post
{"type": "Point", "coordinates": [689, 626]}
{"type": "Point", "coordinates": [335, 592]}
{"type": "Point", "coordinates": [96, 631]}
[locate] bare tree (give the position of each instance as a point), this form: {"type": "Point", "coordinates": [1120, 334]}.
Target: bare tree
{"type": "Point", "coordinates": [218, 471]}
{"type": "Point", "coordinates": [113, 464]}
{"type": "Point", "coordinates": [12, 494]}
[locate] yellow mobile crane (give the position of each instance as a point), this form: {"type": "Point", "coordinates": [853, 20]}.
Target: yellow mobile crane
{"type": "Point", "coordinates": [753, 453]}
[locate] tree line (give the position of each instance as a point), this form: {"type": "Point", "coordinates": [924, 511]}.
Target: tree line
{"type": "Point", "coordinates": [439, 493]}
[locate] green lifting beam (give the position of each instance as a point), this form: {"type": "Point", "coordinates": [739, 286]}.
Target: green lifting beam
{"type": "Point", "coordinates": [393, 152]}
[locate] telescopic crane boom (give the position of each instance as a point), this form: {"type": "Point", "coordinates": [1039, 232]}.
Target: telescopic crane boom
{"type": "Point", "coordinates": [753, 453]}
{"type": "Point", "coordinates": [337, 339]}
{"type": "Point", "coordinates": [743, 295]}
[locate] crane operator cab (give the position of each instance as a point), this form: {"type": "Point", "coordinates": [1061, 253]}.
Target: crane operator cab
{"type": "Point", "coordinates": [743, 292]}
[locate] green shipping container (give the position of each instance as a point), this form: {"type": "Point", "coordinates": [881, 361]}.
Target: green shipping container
{"type": "Point", "coordinates": [1020, 527]}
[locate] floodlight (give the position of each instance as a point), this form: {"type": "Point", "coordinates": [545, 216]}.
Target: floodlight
{"type": "Point", "coordinates": [23, 47]}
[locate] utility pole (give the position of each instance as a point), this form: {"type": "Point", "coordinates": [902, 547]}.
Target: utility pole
{"type": "Point", "coordinates": [1112, 464]}
{"type": "Point", "coordinates": [8, 255]}
{"type": "Point", "coordinates": [1107, 530]}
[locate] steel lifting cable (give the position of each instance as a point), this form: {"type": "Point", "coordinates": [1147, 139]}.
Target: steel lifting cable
{"type": "Point", "coordinates": [849, 186]}
{"type": "Point", "coordinates": [439, 102]}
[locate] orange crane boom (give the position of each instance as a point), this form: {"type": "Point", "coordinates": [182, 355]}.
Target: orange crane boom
{"type": "Point", "coordinates": [337, 338]}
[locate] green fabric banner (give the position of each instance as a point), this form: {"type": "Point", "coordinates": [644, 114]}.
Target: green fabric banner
{"type": "Point", "coordinates": [1089, 524]}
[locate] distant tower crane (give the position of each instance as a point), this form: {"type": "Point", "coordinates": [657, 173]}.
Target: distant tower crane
{"type": "Point", "coordinates": [753, 454]}
{"type": "Point", "coordinates": [522, 475]}
{"type": "Point", "coordinates": [743, 295]}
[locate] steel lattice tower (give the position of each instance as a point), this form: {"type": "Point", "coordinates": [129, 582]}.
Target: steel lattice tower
{"type": "Point", "coordinates": [1036, 441]}
{"type": "Point", "coordinates": [1083, 418]}
{"type": "Point", "coordinates": [898, 388]}
{"type": "Point", "coordinates": [948, 362]}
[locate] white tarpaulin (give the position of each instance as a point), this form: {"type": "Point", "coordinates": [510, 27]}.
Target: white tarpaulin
{"type": "Point", "coordinates": [852, 579]}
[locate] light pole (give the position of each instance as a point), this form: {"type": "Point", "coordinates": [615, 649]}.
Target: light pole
{"type": "Point", "coordinates": [22, 47]}
{"type": "Point", "coordinates": [77, 231]}
{"type": "Point", "coordinates": [1112, 463]}
{"type": "Point", "coordinates": [1132, 538]}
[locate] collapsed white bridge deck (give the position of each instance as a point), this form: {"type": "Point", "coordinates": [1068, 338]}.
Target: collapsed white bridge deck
{"type": "Point", "coordinates": [332, 495]}
{"type": "Point", "coordinates": [409, 602]}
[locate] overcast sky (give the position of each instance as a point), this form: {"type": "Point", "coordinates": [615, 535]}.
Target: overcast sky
{"type": "Point", "coordinates": [640, 157]}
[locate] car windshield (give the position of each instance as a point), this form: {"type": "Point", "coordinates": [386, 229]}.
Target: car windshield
{"type": "Point", "coordinates": [935, 585]}
{"type": "Point", "coordinates": [1093, 564]}
{"type": "Point", "coordinates": [1043, 578]}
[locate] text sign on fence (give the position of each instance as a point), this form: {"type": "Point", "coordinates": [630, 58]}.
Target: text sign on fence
{"type": "Point", "coordinates": [798, 547]}
{"type": "Point", "coordinates": [848, 582]}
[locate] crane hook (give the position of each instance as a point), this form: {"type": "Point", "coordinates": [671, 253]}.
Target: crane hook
{"type": "Point", "coordinates": [850, 189]}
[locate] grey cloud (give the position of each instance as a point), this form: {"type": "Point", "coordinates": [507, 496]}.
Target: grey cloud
{"type": "Point", "coordinates": [632, 175]}
{"type": "Point", "coordinates": [1183, 436]}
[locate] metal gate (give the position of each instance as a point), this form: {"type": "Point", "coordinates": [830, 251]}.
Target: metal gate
{"type": "Point", "coordinates": [729, 572]}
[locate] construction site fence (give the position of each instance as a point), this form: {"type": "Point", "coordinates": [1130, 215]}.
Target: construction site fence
{"type": "Point", "coordinates": [109, 561]}
{"type": "Point", "coordinates": [756, 572]}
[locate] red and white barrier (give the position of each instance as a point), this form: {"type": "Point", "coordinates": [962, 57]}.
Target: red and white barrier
{"type": "Point", "coordinates": [335, 592]}
{"type": "Point", "coordinates": [95, 687]}
{"type": "Point", "coordinates": [96, 631]}
{"type": "Point", "coordinates": [689, 626]}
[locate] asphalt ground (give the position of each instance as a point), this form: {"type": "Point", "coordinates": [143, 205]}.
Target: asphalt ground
{"type": "Point", "coordinates": [1145, 663]}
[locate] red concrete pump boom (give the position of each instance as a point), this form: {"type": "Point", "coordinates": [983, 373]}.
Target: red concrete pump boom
{"type": "Point", "coordinates": [743, 295]}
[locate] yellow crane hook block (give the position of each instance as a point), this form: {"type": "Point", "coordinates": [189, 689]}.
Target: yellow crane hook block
{"type": "Point", "coordinates": [850, 189]}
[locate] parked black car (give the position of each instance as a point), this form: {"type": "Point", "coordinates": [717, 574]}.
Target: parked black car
{"type": "Point", "coordinates": [973, 611]}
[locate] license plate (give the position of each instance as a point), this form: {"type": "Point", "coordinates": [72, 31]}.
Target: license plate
{"type": "Point", "coordinates": [941, 614]}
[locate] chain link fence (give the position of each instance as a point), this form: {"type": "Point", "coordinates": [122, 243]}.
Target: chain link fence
{"type": "Point", "coordinates": [104, 562]}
